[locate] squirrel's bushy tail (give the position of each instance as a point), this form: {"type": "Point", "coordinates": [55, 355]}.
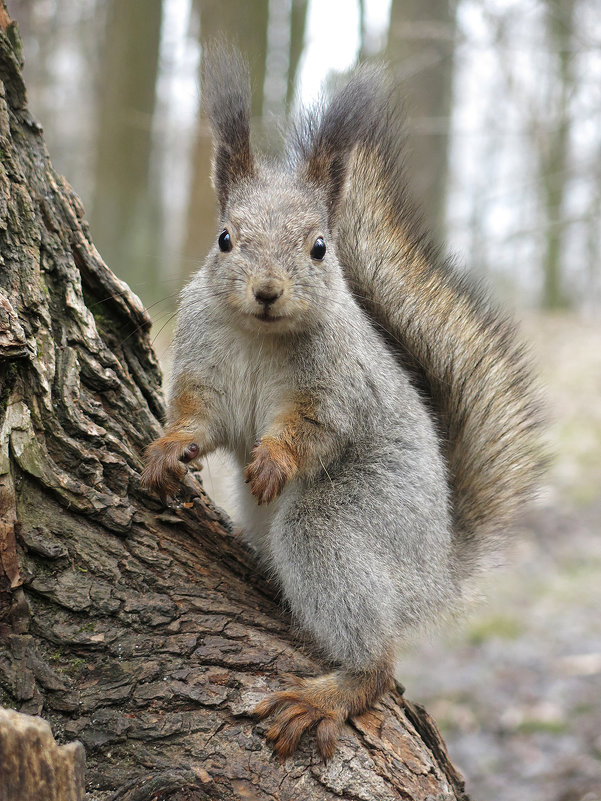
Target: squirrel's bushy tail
{"type": "Point", "coordinates": [462, 351]}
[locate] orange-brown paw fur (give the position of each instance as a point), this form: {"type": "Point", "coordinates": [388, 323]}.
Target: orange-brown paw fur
{"type": "Point", "coordinates": [165, 464]}
{"type": "Point", "coordinates": [302, 707]}
{"type": "Point", "coordinates": [272, 464]}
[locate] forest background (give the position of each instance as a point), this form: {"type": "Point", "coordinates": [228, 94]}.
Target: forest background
{"type": "Point", "coordinates": [504, 153]}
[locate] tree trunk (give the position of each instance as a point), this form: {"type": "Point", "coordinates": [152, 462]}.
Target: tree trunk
{"type": "Point", "coordinates": [298, 24]}
{"type": "Point", "coordinates": [33, 766]}
{"type": "Point", "coordinates": [421, 44]}
{"type": "Point", "coordinates": [125, 216]}
{"type": "Point", "coordinates": [145, 633]}
{"type": "Point", "coordinates": [554, 148]}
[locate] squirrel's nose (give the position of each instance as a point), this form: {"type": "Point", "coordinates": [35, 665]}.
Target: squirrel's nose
{"type": "Point", "coordinates": [267, 295]}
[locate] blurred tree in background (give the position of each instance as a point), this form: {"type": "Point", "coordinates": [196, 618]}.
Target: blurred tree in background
{"type": "Point", "coordinates": [421, 43]}
{"type": "Point", "coordinates": [554, 146]}
{"type": "Point", "coordinates": [125, 211]}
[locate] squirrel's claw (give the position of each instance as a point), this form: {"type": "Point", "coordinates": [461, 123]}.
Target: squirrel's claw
{"type": "Point", "coordinates": [271, 466]}
{"type": "Point", "coordinates": [165, 468]}
{"type": "Point", "coordinates": [296, 711]}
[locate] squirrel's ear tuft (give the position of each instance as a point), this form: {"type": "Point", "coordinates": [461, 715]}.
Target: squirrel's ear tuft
{"type": "Point", "coordinates": [226, 96]}
{"type": "Point", "coordinates": [323, 139]}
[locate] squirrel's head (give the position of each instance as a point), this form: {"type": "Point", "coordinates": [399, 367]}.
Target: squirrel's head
{"type": "Point", "coordinates": [273, 266]}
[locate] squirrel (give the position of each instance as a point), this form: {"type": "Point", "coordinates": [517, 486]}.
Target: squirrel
{"type": "Point", "coordinates": [381, 409]}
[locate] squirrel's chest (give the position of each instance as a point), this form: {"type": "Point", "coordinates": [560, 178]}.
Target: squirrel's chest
{"type": "Point", "coordinates": [255, 388]}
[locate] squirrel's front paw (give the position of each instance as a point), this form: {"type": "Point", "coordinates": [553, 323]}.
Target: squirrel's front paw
{"type": "Point", "coordinates": [272, 464]}
{"type": "Point", "coordinates": [166, 460]}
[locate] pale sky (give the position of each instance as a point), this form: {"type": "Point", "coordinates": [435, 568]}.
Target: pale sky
{"type": "Point", "coordinates": [332, 39]}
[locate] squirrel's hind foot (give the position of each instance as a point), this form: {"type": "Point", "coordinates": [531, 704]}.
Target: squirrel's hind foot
{"type": "Point", "coordinates": [324, 703]}
{"type": "Point", "coordinates": [297, 710]}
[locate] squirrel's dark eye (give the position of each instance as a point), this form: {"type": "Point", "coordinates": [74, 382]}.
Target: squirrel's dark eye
{"type": "Point", "coordinates": [225, 241]}
{"type": "Point", "coordinates": [318, 251]}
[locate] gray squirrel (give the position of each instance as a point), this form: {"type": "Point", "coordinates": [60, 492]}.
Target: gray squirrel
{"type": "Point", "coordinates": [380, 408]}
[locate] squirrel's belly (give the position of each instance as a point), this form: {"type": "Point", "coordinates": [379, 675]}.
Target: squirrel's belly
{"type": "Point", "coordinates": [254, 520]}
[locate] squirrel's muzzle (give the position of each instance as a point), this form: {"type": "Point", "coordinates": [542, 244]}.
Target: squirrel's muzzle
{"type": "Point", "coordinates": [266, 293]}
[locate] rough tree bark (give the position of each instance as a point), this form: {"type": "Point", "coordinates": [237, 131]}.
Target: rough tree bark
{"type": "Point", "coordinates": [145, 633]}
